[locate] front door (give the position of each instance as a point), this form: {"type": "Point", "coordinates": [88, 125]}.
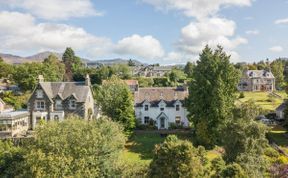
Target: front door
{"type": "Point", "coordinates": [162, 123]}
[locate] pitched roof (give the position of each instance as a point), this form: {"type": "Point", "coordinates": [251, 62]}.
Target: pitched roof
{"type": "Point", "coordinates": [282, 106]}
{"type": "Point", "coordinates": [131, 82]}
{"type": "Point", "coordinates": [258, 74]}
{"type": "Point", "coordinates": [66, 89]}
{"type": "Point", "coordinates": [154, 95]}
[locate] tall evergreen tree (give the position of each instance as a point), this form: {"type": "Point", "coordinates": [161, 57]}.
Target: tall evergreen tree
{"type": "Point", "coordinates": [68, 58]}
{"type": "Point", "coordinates": [212, 95]}
{"type": "Point", "coordinates": [188, 69]}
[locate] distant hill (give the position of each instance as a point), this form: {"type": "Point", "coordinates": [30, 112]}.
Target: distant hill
{"type": "Point", "coordinates": [109, 62]}
{"type": "Point", "coordinates": [39, 57]}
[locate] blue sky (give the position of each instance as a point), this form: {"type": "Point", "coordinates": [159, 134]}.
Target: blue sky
{"type": "Point", "coordinates": [162, 31]}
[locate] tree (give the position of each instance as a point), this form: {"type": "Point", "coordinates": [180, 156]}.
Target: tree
{"type": "Point", "coordinates": [11, 159]}
{"type": "Point", "coordinates": [131, 63]}
{"type": "Point", "coordinates": [212, 93]}
{"type": "Point", "coordinates": [277, 69]}
{"type": "Point", "coordinates": [188, 69]}
{"type": "Point", "coordinates": [53, 68]}
{"type": "Point", "coordinates": [75, 148]}
{"type": "Point", "coordinates": [176, 158]}
{"type": "Point", "coordinates": [5, 69]}
{"type": "Point", "coordinates": [176, 76]}
{"type": "Point", "coordinates": [243, 134]}
{"type": "Point", "coordinates": [116, 101]}
{"type": "Point", "coordinates": [73, 65]}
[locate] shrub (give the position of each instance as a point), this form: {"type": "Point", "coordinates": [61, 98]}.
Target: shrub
{"type": "Point", "coordinates": [241, 95]}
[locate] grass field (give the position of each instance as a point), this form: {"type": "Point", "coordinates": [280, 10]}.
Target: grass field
{"type": "Point", "coordinates": [139, 149]}
{"type": "Point", "coordinates": [262, 99]}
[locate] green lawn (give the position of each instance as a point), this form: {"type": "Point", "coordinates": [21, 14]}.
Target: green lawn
{"type": "Point", "coordinates": [140, 147]}
{"type": "Point", "coordinates": [262, 99]}
{"type": "Point", "coordinates": [277, 133]}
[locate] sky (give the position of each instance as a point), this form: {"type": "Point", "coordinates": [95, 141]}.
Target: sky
{"type": "Point", "coordinates": [151, 31]}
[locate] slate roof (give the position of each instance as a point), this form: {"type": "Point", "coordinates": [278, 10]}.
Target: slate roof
{"type": "Point", "coordinates": [282, 106]}
{"type": "Point", "coordinates": [155, 95]}
{"type": "Point", "coordinates": [258, 74]}
{"type": "Point", "coordinates": [66, 89]}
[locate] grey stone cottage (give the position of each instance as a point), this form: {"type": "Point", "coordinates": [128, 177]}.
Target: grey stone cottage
{"type": "Point", "coordinates": [54, 100]}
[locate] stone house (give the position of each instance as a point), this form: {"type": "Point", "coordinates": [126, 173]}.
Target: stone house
{"type": "Point", "coordinates": [54, 100]}
{"type": "Point", "coordinates": [257, 80]}
{"type": "Point", "coordinates": [162, 105]}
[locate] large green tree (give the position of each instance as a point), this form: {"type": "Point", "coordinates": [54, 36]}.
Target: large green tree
{"type": "Point", "coordinates": [74, 68]}
{"type": "Point", "coordinates": [177, 158]}
{"type": "Point", "coordinates": [116, 102]}
{"type": "Point", "coordinates": [277, 69]}
{"type": "Point", "coordinates": [188, 69]}
{"type": "Point", "coordinates": [212, 93]}
{"type": "Point", "coordinates": [75, 148]}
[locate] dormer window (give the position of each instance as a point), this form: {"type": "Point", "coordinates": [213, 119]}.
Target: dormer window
{"type": "Point", "coordinates": [39, 93]}
{"type": "Point", "coordinates": [72, 104]}
{"type": "Point", "coordinates": [177, 107]}
{"type": "Point", "coordinates": [146, 107]}
{"type": "Point", "coordinates": [161, 109]}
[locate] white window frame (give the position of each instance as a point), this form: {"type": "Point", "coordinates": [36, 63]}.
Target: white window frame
{"type": "Point", "coordinates": [40, 105]}
{"type": "Point", "coordinates": [178, 118]}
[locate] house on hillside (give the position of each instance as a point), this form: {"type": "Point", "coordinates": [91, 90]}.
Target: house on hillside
{"type": "Point", "coordinates": [257, 80]}
{"type": "Point", "coordinates": [54, 100]}
{"type": "Point", "coordinates": [161, 105]}
{"type": "Point", "coordinates": [133, 85]}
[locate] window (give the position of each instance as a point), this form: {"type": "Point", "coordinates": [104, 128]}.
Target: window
{"type": "Point", "coordinates": [161, 109]}
{"type": "Point", "coordinates": [177, 107]}
{"type": "Point", "coordinates": [58, 104]}
{"type": "Point", "coordinates": [72, 104]}
{"type": "Point", "coordinates": [146, 107]}
{"type": "Point", "coordinates": [40, 105]}
{"type": "Point", "coordinates": [146, 120]}
{"type": "Point", "coordinates": [39, 93]}
{"type": "Point", "coordinates": [178, 120]}
{"type": "Point", "coordinates": [56, 118]}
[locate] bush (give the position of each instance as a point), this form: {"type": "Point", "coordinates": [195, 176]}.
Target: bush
{"type": "Point", "coordinates": [241, 95]}
{"type": "Point", "coordinates": [161, 82]}
{"type": "Point", "coordinates": [176, 158]}
{"type": "Point", "coordinates": [173, 126]}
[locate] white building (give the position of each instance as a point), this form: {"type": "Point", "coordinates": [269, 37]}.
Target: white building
{"type": "Point", "coordinates": [162, 105]}
{"type": "Point", "coordinates": [13, 123]}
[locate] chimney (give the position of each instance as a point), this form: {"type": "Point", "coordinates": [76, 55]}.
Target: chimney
{"type": "Point", "coordinates": [40, 78]}
{"type": "Point", "coordinates": [87, 80]}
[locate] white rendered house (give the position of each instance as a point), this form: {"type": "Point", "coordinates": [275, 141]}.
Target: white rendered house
{"type": "Point", "coordinates": [163, 105]}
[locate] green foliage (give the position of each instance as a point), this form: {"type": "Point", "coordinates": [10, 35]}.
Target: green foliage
{"type": "Point", "coordinates": [176, 158]}
{"type": "Point", "coordinates": [75, 148]}
{"type": "Point", "coordinates": [116, 102]}
{"type": "Point", "coordinates": [212, 95]}
{"type": "Point", "coordinates": [17, 102]}
{"type": "Point", "coordinates": [11, 159]}
{"type": "Point", "coordinates": [131, 63]}
{"type": "Point", "coordinates": [145, 81]}
{"type": "Point", "coordinates": [242, 95]}
{"type": "Point", "coordinates": [277, 69]}
{"type": "Point", "coordinates": [121, 70]}
{"type": "Point", "coordinates": [233, 170]}
{"type": "Point", "coordinates": [5, 69]}
{"type": "Point", "coordinates": [176, 76]}
{"type": "Point", "coordinates": [243, 134]}
{"type": "Point", "coordinates": [26, 75]}
{"type": "Point", "coordinates": [161, 82]}
{"type": "Point", "coordinates": [188, 69]}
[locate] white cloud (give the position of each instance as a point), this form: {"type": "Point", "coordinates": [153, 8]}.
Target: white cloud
{"type": "Point", "coordinates": [54, 9]}
{"type": "Point", "coordinates": [212, 31]}
{"type": "Point", "coordinates": [144, 47]}
{"type": "Point", "coordinates": [252, 32]}
{"type": "Point", "coordinates": [276, 49]}
{"type": "Point", "coordinates": [196, 8]}
{"type": "Point", "coordinates": [25, 34]}
{"type": "Point", "coordinates": [34, 36]}
{"type": "Point", "coordinates": [281, 21]}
